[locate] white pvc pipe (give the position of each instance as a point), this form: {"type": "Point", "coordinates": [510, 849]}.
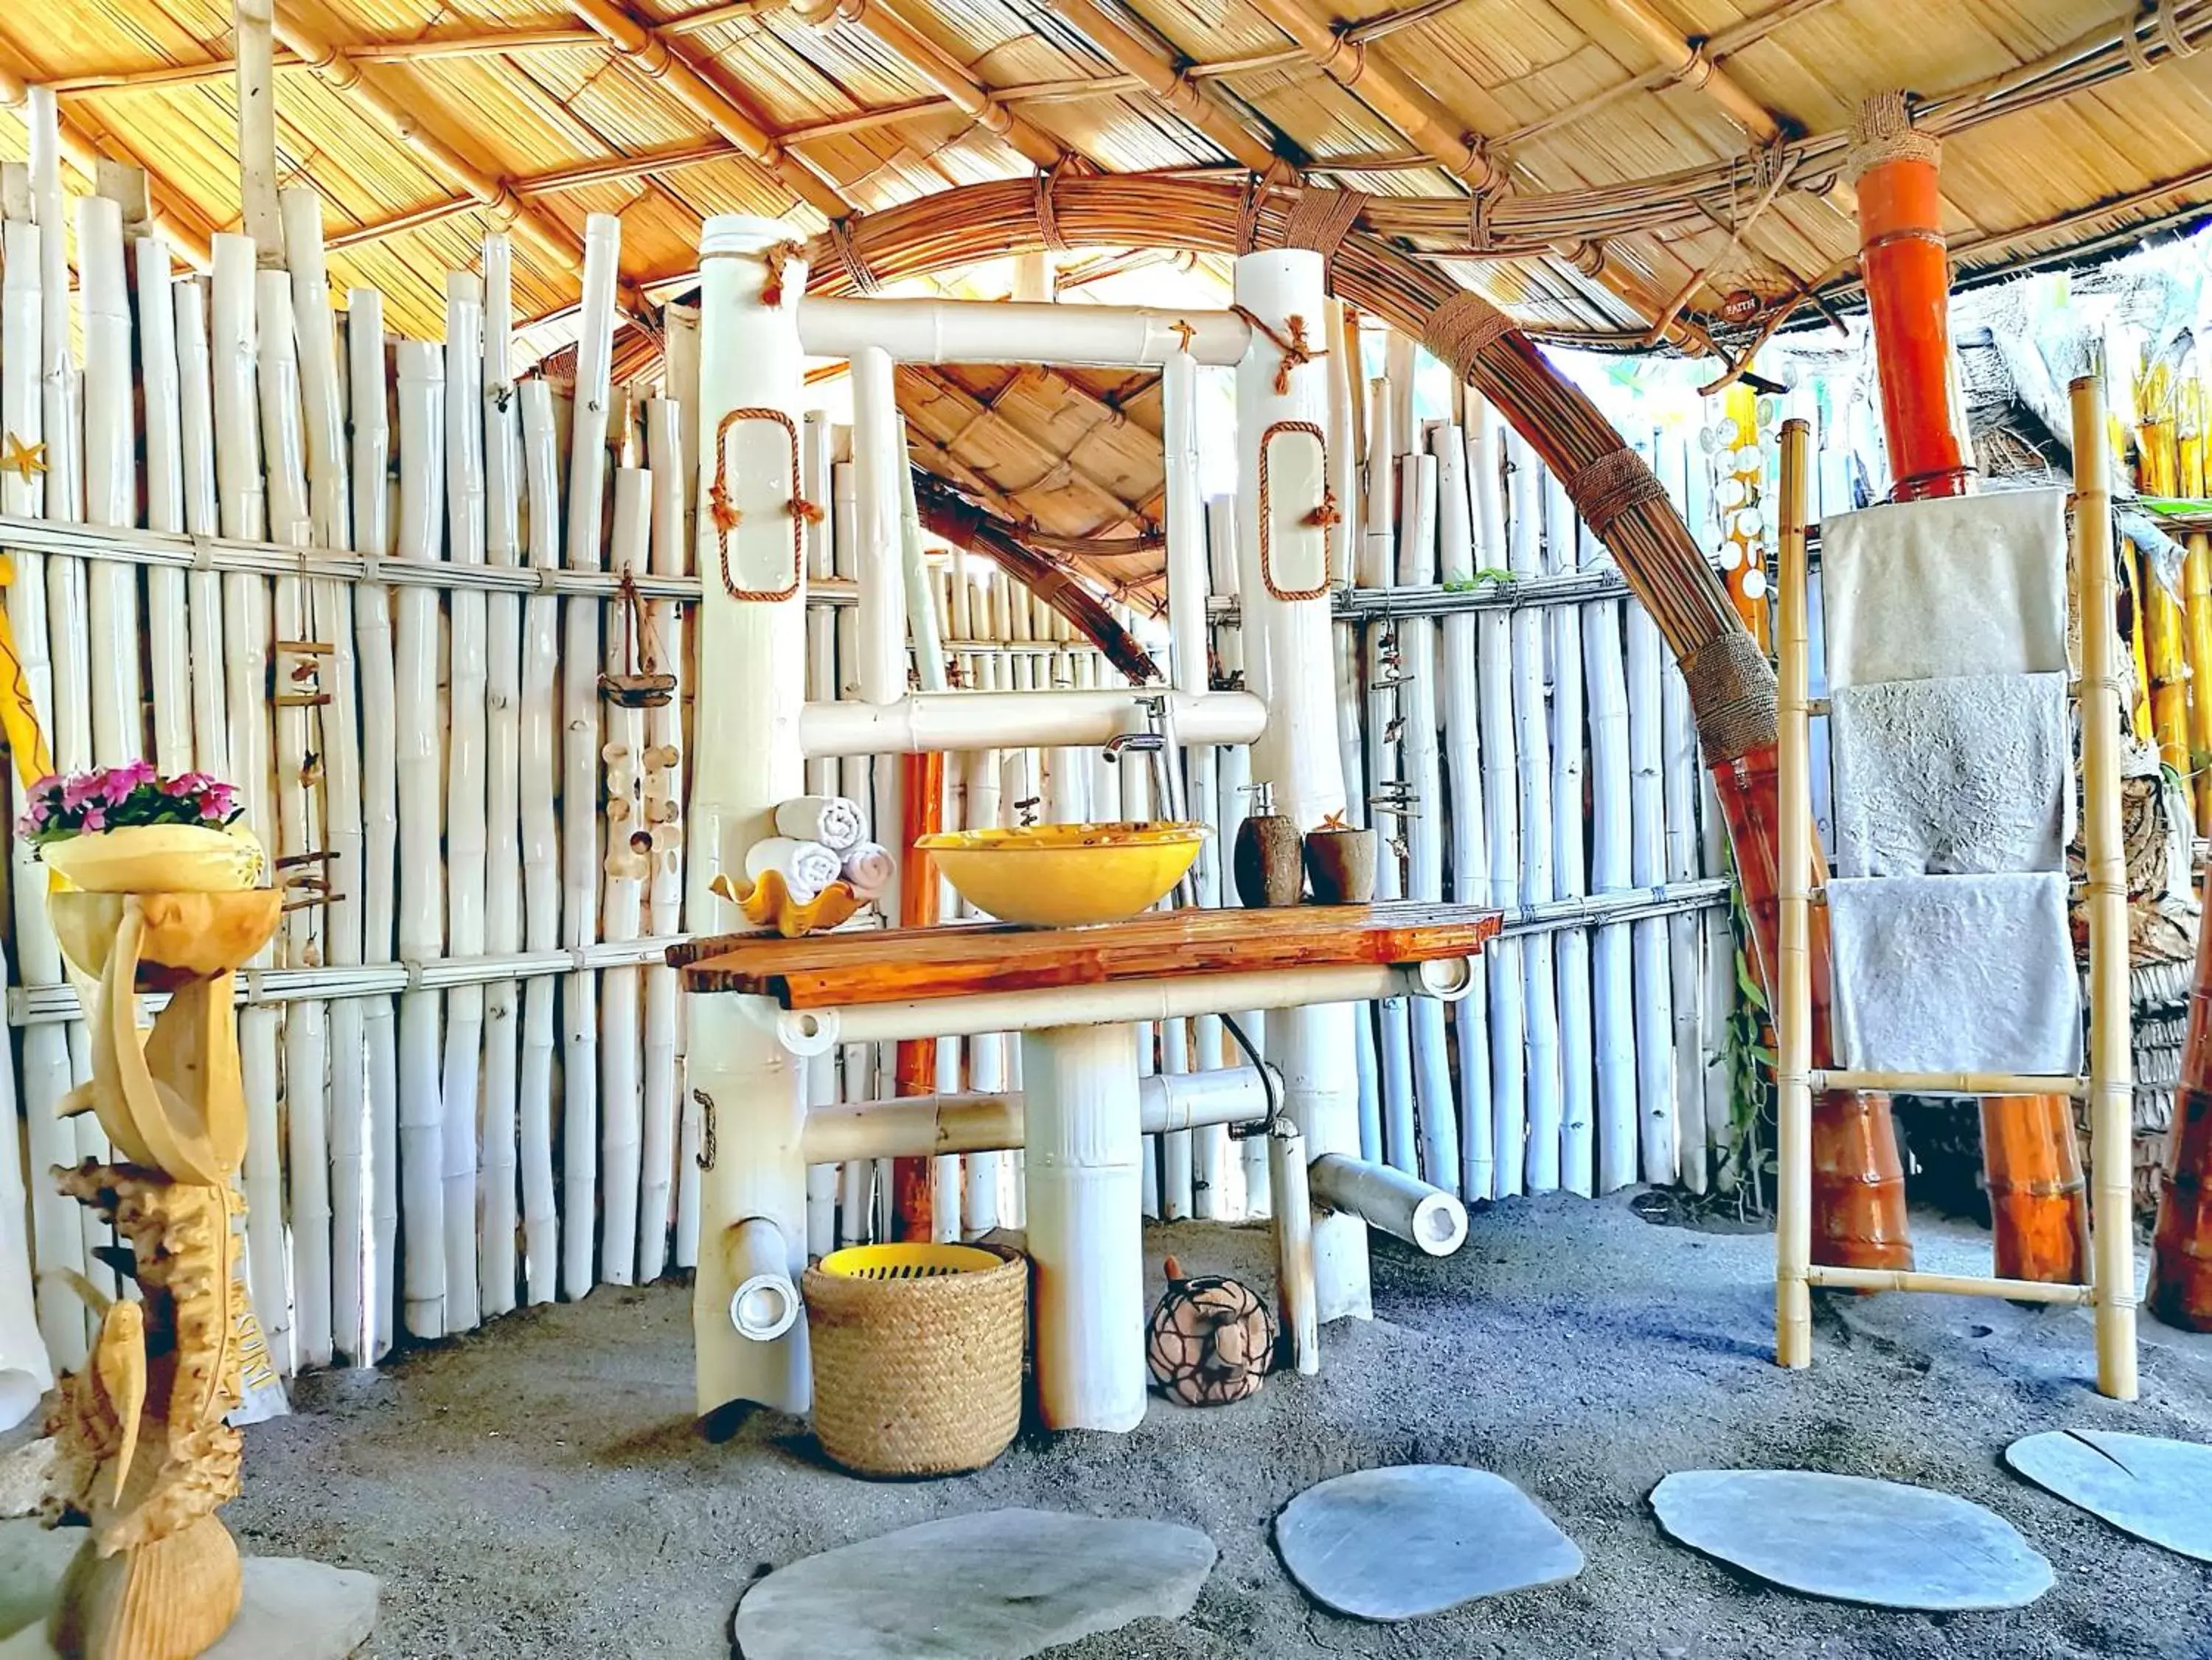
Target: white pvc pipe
{"type": "Point", "coordinates": [1403, 1206]}
{"type": "Point", "coordinates": [749, 1088]}
{"type": "Point", "coordinates": [1081, 1146]}
{"type": "Point", "coordinates": [997, 331]}
{"type": "Point", "coordinates": [764, 1301]}
{"type": "Point", "coordinates": [1291, 1190]}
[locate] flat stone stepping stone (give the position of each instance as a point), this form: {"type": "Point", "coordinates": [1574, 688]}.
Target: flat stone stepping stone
{"type": "Point", "coordinates": [292, 1609]}
{"type": "Point", "coordinates": [2157, 1489]}
{"type": "Point", "coordinates": [1853, 1539]}
{"type": "Point", "coordinates": [1416, 1539]}
{"type": "Point", "coordinates": [999, 1586]}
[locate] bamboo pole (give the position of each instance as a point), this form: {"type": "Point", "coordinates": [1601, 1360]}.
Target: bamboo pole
{"type": "Point", "coordinates": [1508, 1009]}
{"type": "Point", "coordinates": [56, 1235]}
{"type": "Point", "coordinates": [1657, 1127]}
{"type": "Point", "coordinates": [580, 656]}
{"type": "Point", "coordinates": [368, 380]}
{"type": "Point", "coordinates": [622, 1102]}
{"type": "Point", "coordinates": [1457, 458]}
{"type": "Point", "coordinates": [421, 922]}
{"type": "Point", "coordinates": [542, 861]}
{"type": "Point", "coordinates": [2196, 606]}
{"type": "Point", "coordinates": [2111, 1056]}
{"type": "Point", "coordinates": [664, 814]}
{"type": "Point", "coordinates": [466, 792]}
{"type": "Point", "coordinates": [1569, 862]}
{"type": "Point", "coordinates": [1537, 885]}
{"type": "Point", "coordinates": [1439, 1129]}
{"type": "Point", "coordinates": [1793, 1012]}
{"type": "Point", "coordinates": [502, 913]}
{"type": "Point", "coordinates": [338, 740]}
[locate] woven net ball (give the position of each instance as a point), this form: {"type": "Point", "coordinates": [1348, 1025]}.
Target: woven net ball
{"type": "Point", "coordinates": [1212, 1340]}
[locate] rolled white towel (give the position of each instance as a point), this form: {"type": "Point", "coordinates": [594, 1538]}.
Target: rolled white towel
{"type": "Point", "coordinates": [837, 823]}
{"type": "Point", "coordinates": [871, 868]}
{"type": "Point", "coordinates": [806, 867]}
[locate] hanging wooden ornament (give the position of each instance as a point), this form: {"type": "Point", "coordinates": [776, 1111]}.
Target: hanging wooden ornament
{"type": "Point", "coordinates": [642, 683]}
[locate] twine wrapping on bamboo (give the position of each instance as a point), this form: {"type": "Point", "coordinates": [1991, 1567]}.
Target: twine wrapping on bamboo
{"type": "Point", "coordinates": [1462, 329]}
{"type": "Point", "coordinates": [1321, 218]}
{"type": "Point", "coordinates": [1883, 131]}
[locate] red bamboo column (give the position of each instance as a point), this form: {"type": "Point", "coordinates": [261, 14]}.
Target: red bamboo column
{"type": "Point", "coordinates": [2181, 1253]}
{"type": "Point", "coordinates": [1858, 1182]}
{"type": "Point", "coordinates": [921, 813]}
{"type": "Point", "coordinates": [2039, 1202]}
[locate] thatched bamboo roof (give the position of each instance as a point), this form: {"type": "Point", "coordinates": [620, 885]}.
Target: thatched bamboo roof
{"type": "Point", "coordinates": [1581, 162]}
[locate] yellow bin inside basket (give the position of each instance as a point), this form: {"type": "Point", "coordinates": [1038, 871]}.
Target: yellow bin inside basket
{"type": "Point", "coordinates": [908, 1262]}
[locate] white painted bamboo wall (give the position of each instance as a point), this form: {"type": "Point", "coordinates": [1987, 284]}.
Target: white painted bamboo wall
{"type": "Point", "coordinates": [465, 1071]}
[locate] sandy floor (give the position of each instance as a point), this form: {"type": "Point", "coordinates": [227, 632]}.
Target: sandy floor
{"type": "Point", "coordinates": [540, 1489]}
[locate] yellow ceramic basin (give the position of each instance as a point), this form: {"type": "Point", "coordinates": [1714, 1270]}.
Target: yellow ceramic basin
{"type": "Point", "coordinates": [1063, 875]}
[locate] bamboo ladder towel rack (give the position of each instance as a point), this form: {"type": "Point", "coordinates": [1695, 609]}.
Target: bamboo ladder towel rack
{"type": "Point", "coordinates": [2111, 1291]}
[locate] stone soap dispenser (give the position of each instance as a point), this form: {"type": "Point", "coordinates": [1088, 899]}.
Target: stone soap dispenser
{"type": "Point", "coordinates": [1269, 858]}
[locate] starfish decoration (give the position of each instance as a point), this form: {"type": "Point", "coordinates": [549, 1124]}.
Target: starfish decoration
{"type": "Point", "coordinates": [724, 509]}
{"type": "Point", "coordinates": [1334, 822]}
{"type": "Point", "coordinates": [26, 461]}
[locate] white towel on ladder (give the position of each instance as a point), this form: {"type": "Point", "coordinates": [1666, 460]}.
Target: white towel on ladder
{"type": "Point", "coordinates": [1954, 777]}
{"type": "Point", "coordinates": [1922, 589]}
{"type": "Point", "coordinates": [1954, 974]}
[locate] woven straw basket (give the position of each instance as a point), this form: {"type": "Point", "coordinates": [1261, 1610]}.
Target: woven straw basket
{"type": "Point", "coordinates": [917, 1356]}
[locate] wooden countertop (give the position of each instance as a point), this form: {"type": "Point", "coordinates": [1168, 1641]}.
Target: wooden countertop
{"type": "Point", "coordinates": [883, 965]}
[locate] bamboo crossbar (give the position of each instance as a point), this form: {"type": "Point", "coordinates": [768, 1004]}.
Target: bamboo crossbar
{"type": "Point", "coordinates": [1951, 1083]}
{"type": "Point", "coordinates": [1951, 1285]}
{"type": "Point", "coordinates": [229, 553]}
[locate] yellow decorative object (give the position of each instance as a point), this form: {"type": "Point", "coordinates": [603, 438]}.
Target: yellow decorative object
{"type": "Point", "coordinates": [173, 858]}
{"type": "Point", "coordinates": [767, 904]}
{"type": "Point", "coordinates": [911, 1261]}
{"type": "Point", "coordinates": [1065, 875]}
{"type": "Point", "coordinates": [26, 461]}
{"type": "Point", "coordinates": [145, 1456]}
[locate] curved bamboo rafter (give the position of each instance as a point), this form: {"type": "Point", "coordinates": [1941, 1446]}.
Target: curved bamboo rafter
{"type": "Point", "coordinates": [966, 525]}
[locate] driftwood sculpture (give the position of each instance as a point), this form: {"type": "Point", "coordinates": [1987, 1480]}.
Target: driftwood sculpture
{"type": "Point", "coordinates": [145, 1459]}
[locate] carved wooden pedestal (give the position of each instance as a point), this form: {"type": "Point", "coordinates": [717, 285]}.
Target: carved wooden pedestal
{"type": "Point", "coordinates": [146, 1457]}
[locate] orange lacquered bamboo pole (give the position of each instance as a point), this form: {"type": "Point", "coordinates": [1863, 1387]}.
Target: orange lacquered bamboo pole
{"type": "Point", "coordinates": [2038, 1197]}
{"type": "Point", "coordinates": [2181, 1251]}
{"type": "Point", "coordinates": [1908, 286]}
{"type": "Point", "coordinates": [922, 801]}
{"type": "Point", "coordinates": [1858, 1182]}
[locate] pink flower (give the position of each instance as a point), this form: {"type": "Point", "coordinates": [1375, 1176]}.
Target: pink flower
{"type": "Point", "coordinates": [80, 788]}
{"type": "Point", "coordinates": [95, 818]}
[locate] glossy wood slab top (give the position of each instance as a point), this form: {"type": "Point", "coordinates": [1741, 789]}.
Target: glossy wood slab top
{"type": "Point", "coordinates": [876, 966]}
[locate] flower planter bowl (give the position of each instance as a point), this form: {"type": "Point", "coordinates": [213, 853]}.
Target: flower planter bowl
{"type": "Point", "coordinates": [157, 858]}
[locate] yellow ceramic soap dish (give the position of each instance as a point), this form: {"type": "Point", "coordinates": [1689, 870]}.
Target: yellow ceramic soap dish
{"type": "Point", "coordinates": [768, 903]}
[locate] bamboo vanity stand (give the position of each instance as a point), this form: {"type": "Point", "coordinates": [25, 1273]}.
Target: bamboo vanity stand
{"type": "Point", "coordinates": [145, 1453]}
{"type": "Point", "coordinates": [2111, 1292]}
{"type": "Point", "coordinates": [1070, 994]}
